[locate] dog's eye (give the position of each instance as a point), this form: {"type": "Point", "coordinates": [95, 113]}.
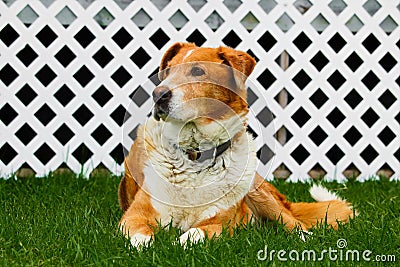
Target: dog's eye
{"type": "Point", "coordinates": [196, 71]}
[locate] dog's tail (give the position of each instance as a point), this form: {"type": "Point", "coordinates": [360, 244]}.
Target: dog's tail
{"type": "Point", "coordinates": [330, 209]}
{"type": "Point", "coordinates": [266, 202]}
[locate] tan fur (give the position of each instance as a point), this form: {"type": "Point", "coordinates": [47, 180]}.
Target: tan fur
{"type": "Point", "coordinates": [228, 219]}
{"type": "Point", "coordinates": [133, 177]}
{"type": "Point", "coordinates": [140, 217]}
{"type": "Point", "coordinates": [266, 202]}
{"type": "Point", "coordinates": [240, 66]}
{"type": "Point", "coordinates": [330, 212]}
{"type": "Point", "coordinates": [263, 201]}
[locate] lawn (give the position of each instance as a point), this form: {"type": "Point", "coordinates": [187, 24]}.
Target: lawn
{"type": "Point", "coordinates": [67, 220]}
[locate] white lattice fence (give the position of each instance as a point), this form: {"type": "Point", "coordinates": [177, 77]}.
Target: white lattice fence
{"type": "Point", "coordinates": [328, 71]}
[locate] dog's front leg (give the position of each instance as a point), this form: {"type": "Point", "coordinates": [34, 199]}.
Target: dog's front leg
{"type": "Point", "coordinates": [192, 236]}
{"type": "Point", "coordinates": [139, 221]}
{"type": "Point", "coordinates": [198, 234]}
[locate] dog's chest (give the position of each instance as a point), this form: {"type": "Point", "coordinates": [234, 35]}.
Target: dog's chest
{"type": "Point", "coordinates": [185, 196]}
{"type": "Point", "coordinates": [188, 198]}
{"type": "Point", "coordinates": [186, 192]}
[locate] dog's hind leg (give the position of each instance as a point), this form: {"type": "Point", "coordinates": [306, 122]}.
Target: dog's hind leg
{"type": "Point", "coordinates": [267, 203]}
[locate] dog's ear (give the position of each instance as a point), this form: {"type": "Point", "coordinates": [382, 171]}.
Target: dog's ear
{"type": "Point", "coordinates": [170, 54]}
{"type": "Point", "coordinates": [242, 62]}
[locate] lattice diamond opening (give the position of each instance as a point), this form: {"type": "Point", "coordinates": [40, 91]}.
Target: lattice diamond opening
{"type": "Point", "coordinates": [101, 134]}
{"type": "Point", "coordinates": [249, 21]}
{"type": "Point", "coordinates": [196, 37]}
{"type": "Point", "coordinates": [388, 25]}
{"type": "Point", "coordinates": [44, 154]}
{"type": "Point", "coordinates": [265, 154]}
{"type": "Point", "coordinates": [387, 99]}
{"type": "Point", "coordinates": [83, 76]}
{"type": "Point", "coordinates": [8, 74]}
{"type": "Point", "coordinates": [318, 135]}
{"type": "Point", "coordinates": [267, 41]}
{"type": "Point", "coordinates": [141, 18]}
{"type": "Point", "coordinates": [214, 21]}
{"type": "Point", "coordinates": [46, 36]}
{"type": "Point", "coordinates": [354, 61]}
{"type": "Point", "coordinates": [102, 96]}
{"type": "Point", "coordinates": [82, 153]}
{"type": "Point", "coordinates": [159, 38]}
{"type": "Point", "coordinates": [371, 43]}
{"type": "Point", "coordinates": [197, 4]}
{"type": "Point", "coordinates": [302, 42]}
{"type": "Point", "coordinates": [140, 57]}
{"type": "Point", "coordinates": [83, 115]}
{"type": "Point", "coordinates": [84, 37]}
{"type": "Point", "coordinates": [25, 134]}
{"type": "Point", "coordinates": [320, 23]}
{"type": "Point", "coordinates": [7, 153]}
{"type": "Point", "coordinates": [337, 42]}
{"type": "Point", "coordinates": [45, 114]}
{"type": "Point", "coordinates": [104, 17]}
{"type": "Point", "coordinates": [354, 24]}
{"type": "Point", "coordinates": [139, 96]}
{"type": "Point", "coordinates": [232, 5]}
{"type": "Point", "coordinates": [337, 6]}
{"type": "Point", "coordinates": [283, 98]}
{"type": "Point", "coordinates": [27, 11]}
{"type": "Point", "coordinates": [26, 95]}
{"type": "Point", "coordinates": [352, 136]}
{"type": "Point", "coordinates": [64, 95]}
{"type": "Point", "coordinates": [122, 38]}
{"type": "Point", "coordinates": [178, 19]}
{"type": "Point", "coordinates": [66, 17]}
{"type": "Point", "coordinates": [267, 5]}
{"type": "Point", "coordinates": [103, 57]}
{"type": "Point", "coordinates": [8, 35]}
{"type": "Point", "coordinates": [372, 6]}
{"type": "Point", "coordinates": [302, 5]}
{"type": "Point", "coordinates": [285, 22]}
{"type": "Point", "coordinates": [63, 134]}
{"type": "Point", "coordinates": [319, 98]}
{"type": "Point", "coordinates": [65, 56]}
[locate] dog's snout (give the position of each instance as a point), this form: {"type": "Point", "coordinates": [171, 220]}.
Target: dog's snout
{"type": "Point", "coordinates": [161, 97]}
{"type": "Point", "coordinates": [162, 94]}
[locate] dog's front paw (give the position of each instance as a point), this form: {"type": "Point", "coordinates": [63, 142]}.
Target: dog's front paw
{"type": "Point", "coordinates": [193, 236]}
{"type": "Point", "coordinates": [304, 235]}
{"type": "Point", "coordinates": [140, 240]}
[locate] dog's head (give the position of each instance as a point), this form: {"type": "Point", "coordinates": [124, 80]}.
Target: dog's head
{"type": "Point", "coordinates": [202, 84]}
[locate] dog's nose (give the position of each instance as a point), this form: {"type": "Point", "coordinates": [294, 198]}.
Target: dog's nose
{"type": "Point", "coordinates": [162, 94]}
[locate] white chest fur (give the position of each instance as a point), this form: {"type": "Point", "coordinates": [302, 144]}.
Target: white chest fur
{"type": "Point", "coordinates": [186, 192]}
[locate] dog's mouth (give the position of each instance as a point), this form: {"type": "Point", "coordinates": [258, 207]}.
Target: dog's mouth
{"type": "Point", "coordinates": [159, 113]}
{"type": "Point", "coordinates": [163, 111]}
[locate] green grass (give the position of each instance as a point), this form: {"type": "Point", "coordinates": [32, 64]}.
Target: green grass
{"type": "Point", "coordinates": [66, 220]}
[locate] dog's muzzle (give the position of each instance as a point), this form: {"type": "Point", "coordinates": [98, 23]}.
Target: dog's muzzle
{"type": "Point", "coordinates": [161, 97]}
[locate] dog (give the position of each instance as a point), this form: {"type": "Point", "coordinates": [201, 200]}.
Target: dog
{"type": "Point", "coordinates": [193, 164]}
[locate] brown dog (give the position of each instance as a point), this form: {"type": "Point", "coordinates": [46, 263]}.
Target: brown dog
{"type": "Point", "coordinates": [193, 165]}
